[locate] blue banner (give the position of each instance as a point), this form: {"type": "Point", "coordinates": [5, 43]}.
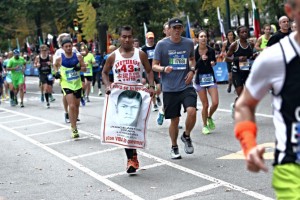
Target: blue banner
{"type": "Point", "coordinates": [221, 72]}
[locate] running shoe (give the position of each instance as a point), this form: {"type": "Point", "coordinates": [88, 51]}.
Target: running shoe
{"type": "Point", "coordinates": [75, 133]}
{"type": "Point", "coordinates": [16, 101]}
{"type": "Point", "coordinates": [180, 127]}
{"type": "Point", "coordinates": [48, 105]}
{"type": "Point", "coordinates": [160, 118]}
{"type": "Point", "coordinates": [7, 97]}
{"type": "Point", "coordinates": [205, 130]}
{"type": "Point", "coordinates": [155, 108]}
{"type": "Point", "coordinates": [188, 146]}
{"type": "Point", "coordinates": [82, 101]}
{"type": "Point", "coordinates": [67, 120]}
{"type": "Point", "coordinates": [51, 98]}
{"type": "Point", "coordinates": [232, 110]}
{"type": "Point", "coordinates": [158, 101]}
{"type": "Point", "coordinates": [175, 153]}
{"type": "Point", "coordinates": [12, 103]}
{"type": "Point", "coordinates": [42, 98]}
{"type": "Point", "coordinates": [210, 123]}
{"type": "Point", "coordinates": [87, 99]}
{"type": "Point", "coordinates": [132, 165]}
{"type": "Point", "coordinates": [3, 98]}
{"type": "Point", "coordinates": [99, 93]}
{"type": "Point", "coordinates": [21, 105]}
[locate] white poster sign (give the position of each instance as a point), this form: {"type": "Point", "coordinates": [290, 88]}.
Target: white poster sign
{"type": "Point", "coordinates": [125, 116]}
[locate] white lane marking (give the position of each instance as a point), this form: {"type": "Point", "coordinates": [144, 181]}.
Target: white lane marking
{"type": "Point", "coordinates": [192, 192]}
{"type": "Point", "coordinates": [96, 153]}
{"type": "Point", "coordinates": [206, 177]}
{"type": "Point", "coordinates": [65, 141]}
{"type": "Point", "coordinates": [143, 168]}
{"type": "Point", "coordinates": [7, 116]}
{"type": "Point", "coordinates": [50, 122]}
{"type": "Point", "coordinates": [28, 125]}
{"type": "Point", "coordinates": [46, 132]}
{"type": "Point", "coordinates": [79, 166]}
{"type": "Point", "coordinates": [201, 175]}
{"type": "Point", "coordinates": [16, 120]}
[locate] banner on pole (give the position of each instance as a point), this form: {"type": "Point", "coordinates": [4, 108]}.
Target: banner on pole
{"type": "Point", "coordinates": [125, 116]}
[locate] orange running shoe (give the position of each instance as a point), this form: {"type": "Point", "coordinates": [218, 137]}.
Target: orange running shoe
{"type": "Point", "coordinates": [132, 165]}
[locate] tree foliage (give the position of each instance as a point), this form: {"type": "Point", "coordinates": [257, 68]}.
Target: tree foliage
{"type": "Point", "coordinates": [22, 18]}
{"type": "Point", "coordinates": [87, 17]}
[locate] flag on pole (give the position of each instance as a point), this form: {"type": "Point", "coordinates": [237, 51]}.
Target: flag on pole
{"type": "Point", "coordinates": [40, 41]}
{"type": "Point", "coordinates": [256, 24]}
{"type": "Point", "coordinates": [223, 34]}
{"type": "Point", "coordinates": [18, 45]}
{"type": "Point", "coordinates": [188, 28]}
{"type": "Point", "coordinates": [145, 31]}
{"type": "Point", "coordinates": [28, 47]}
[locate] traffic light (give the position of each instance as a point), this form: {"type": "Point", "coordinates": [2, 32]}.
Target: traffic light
{"type": "Point", "coordinates": [75, 25]}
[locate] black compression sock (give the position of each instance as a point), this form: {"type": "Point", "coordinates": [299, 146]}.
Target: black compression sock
{"type": "Point", "coordinates": [47, 97]}
{"type": "Point", "coordinates": [129, 153]}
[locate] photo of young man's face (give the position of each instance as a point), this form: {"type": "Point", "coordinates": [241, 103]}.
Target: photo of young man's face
{"type": "Point", "coordinates": [128, 109]}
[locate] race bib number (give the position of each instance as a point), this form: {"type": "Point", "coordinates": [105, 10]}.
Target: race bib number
{"type": "Point", "coordinates": [50, 77]}
{"type": "Point", "coordinates": [206, 80]}
{"type": "Point", "coordinates": [18, 68]}
{"type": "Point", "coordinates": [95, 65]}
{"type": "Point", "coordinates": [72, 75]}
{"type": "Point", "coordinates": [296, 140]}
{"type": "Point", "coordinates": [88, 70]}
{"type": "Point", "coordinates": [150, 54]}
{"type": "Point", "coordinates": [178, 62]}
{"type": "Point", "coordinates": [244, 65]}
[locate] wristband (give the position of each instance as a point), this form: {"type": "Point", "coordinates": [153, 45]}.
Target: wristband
{"type": "Point", "coordinates": [152, 86]}
{"type": "Point", "coordinates": [245, 132]}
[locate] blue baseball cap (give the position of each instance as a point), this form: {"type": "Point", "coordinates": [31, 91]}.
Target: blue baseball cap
{"type": "Point", "coordinates": [16, 52]}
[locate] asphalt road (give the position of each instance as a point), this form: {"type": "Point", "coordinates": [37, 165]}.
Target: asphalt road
{"type": "Point", "coordinates": [40, 160]}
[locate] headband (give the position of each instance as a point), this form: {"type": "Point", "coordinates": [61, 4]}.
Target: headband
{"type": "Point", "coordinates": [65, 41]}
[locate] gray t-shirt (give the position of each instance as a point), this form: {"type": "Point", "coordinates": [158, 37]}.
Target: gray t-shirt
{"type": "Point", "coordinates": [176, 55]}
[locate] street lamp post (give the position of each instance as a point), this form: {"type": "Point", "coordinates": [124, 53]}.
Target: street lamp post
{"type": "Point", "coordinates": [228, 14]}
{"type": "Point", "coordinates": [246, 16]}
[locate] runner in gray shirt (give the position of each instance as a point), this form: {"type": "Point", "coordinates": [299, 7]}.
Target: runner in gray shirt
{"type": "Point", "coordinates": [174, 58]}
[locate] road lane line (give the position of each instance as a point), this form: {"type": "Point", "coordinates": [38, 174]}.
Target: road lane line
{"type": "Point", "coordinates": [7, 116]}
{"type": "Point", "coordinates": [51, 122]}
{"type": "Point", "coordinates": [143, 168]}
{"type": "Point", "coordinates": [65, 141]}
{"type": "Point", "coordinates": [16, 120]}
{"type": "Point", "coordinates": [201, 175]}
{"type": "Point", "coordinates": [46, 132]}
{"type": "Point", "coordinates": [206, 177]}
{"type": "Point", "coordinates": [192, 192]}
{"type": "Point", "coordinates": [95, 153]}
{"type": "Point", "coordinates": [28, 125]}
{"type": "Point", "coordinates": [79, 166]}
